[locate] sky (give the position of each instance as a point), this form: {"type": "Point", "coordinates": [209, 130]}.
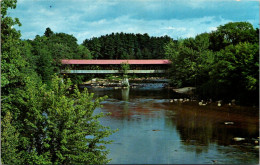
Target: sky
{"type": "Point", "coordinates": [85, 19]}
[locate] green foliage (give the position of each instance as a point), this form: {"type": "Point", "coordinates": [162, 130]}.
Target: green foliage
{"type": "Point", "coordinates": [232, 33]}
{"type": "Point", "coordinates": [94, 46]}
{"type": "Point", "coordinates": [237, 69]}
{"type": "Point", "coordinates": [12, 76]}
{"type": "Point", "coordinates": [84, 53]}
{"type": "Point", "coordinates": [58, 126]}
{"type": "Point", "coordinates": [62, 46]}
{"type": "Point", "coordinates": [223, 64]}
{"type": "Point", "coordinates": [48, 32]}
{"type": "Point", "coordinates": [125, 67]}
{"type": "Point", "coordinates": [12, 62]}
{"type": "Point", "coordinates": [74, 130]}
{"type": "Point", "coordinates": [5, 4]}
{"type": "Point", "coordinates": [184, 64]}
{"type": "Point", "coordinates": [43, 58]}
{"type": "Point", "coordinates": [45, 122]}
{"type": "Point", "coordinates": [78, 79]}
{"type": "Point", "coordinates": [112, 77]}
{"type": "Point", "coordinates": [9, 141]}
{"type": "Point", "coordinates": [127, 46]}
{"type": "Point", "coordinates": [49, 49]}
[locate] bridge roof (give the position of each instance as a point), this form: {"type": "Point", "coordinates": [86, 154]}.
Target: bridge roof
{"type": "Point", "coordinates": [109, 62]}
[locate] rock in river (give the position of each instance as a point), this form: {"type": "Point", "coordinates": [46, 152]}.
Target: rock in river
{"type": "Point", "coordinates": [238, 138]}
{"type": "Point", "coordinates": [185, 90]}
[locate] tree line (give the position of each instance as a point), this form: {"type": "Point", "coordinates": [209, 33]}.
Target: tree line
{"type": "Point", "coordinates": [127, 46]}
{"type": "Point", "coordinates": [222, 64]}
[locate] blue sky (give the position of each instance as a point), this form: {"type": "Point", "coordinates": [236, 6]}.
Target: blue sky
{"type": "Point", "coordinates": [85, 19]}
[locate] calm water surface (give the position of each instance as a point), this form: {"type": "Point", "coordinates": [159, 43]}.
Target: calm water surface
{"type": "Point", "coordinates": [152, 130]}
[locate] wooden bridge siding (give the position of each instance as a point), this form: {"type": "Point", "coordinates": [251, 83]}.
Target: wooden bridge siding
{"type": "Point", "coordinates": [114, 67]}
{"type": "Point", "coordinates": [111, 71]}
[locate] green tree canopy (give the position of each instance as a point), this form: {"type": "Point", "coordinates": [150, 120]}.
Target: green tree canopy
{"type": "Point", "coordinates": [232, 33]}
{"type": "Point", "coordinates": [127, 46]}
{"type": "Point", "coordinates": [223, 64]}
{"type": "Point", "coordinates": [48, 32]}
{"type": "Point", "coordinates": [57, 127]}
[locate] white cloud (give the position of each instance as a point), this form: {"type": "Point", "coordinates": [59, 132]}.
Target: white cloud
{"type": "Point", "coordinates": [175, 28]}
{"type": "Point", "coordinates": [212, 28]}
{"type": "Point", "coordinates": [86, 29]}
{"type": "Point", "coordinates": [182, 28]}
{"type": "Point", "coordinates": [88, 18]}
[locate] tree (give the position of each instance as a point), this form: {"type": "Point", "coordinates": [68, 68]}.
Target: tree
{"type": "Point", "coordinates": [83, 52]}
{"type": "Point", "coordinates": [232, 33]}
{"type": "Point", "coordinates": [11, 59]}
{"type": "Point", "coordinates": [44, 58]}
{"type": "Point", "coordinates": [236, 70]}
{"type": "Point", "coordinates": [48, 51]}
{"type": "Point", "coordinates": [62, 46]}
{"type": "Point", "coordinates": [9, 141]}
{"type": "Point", "coordinates": [183, 69]}
{"type": "Point", "coordinates": [127, 46]}
{"type": "Point", "coordinates": [28, 54]}
{"type": "Point", "coordinates": [12, 77]}
{"type": "Point", "coordinates": [138, 54]}
{"type": "Point", "coordinates": [58, 126]}
{"type": "Point", "coordinates": [125, 67]}
{"type": "Point", "coordinates": [48, 32]}
{"type": "Point", "coordinates": [125, 56]}
{"type": "Point", "coordinates": [94, 46]}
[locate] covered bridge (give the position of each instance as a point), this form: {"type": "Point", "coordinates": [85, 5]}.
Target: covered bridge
{"type": "Point", "coordinates": [113, 66]}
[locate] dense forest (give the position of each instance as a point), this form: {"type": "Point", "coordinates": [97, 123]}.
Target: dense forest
{"type": "Point", "coordinates": [127, 46]}
{"type": "Point", "coordinates": [45, 121]}
{"type": "Point", "coordinates": [223, 64]}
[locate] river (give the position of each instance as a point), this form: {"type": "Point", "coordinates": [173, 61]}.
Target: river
{"type": "Point", "coordinates": [155, 130]}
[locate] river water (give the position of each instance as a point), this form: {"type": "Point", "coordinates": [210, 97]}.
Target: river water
{"type": "Point", "coordinates": [154, 130]}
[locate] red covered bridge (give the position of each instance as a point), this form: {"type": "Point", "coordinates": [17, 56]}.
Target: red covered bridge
{"type": "Point", "coordinates": [113, 66]}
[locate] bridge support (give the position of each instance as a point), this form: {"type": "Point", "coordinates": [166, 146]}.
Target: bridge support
{"type": "Point", "coordinates": [125, 82]}
{"type": "Point", "coordinates": [125, 94]}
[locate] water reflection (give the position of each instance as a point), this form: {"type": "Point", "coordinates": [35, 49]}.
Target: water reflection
{"type": "Point", "coordinates": [203, 126]}
{"type": "Point", "coordinates": [125, 94]}
{"type": "Point", "coordinates": [153, 130]}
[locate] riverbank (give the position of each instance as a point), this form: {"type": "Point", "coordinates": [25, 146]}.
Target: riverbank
{"type": "Point", "coordinates": [185, 94]}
